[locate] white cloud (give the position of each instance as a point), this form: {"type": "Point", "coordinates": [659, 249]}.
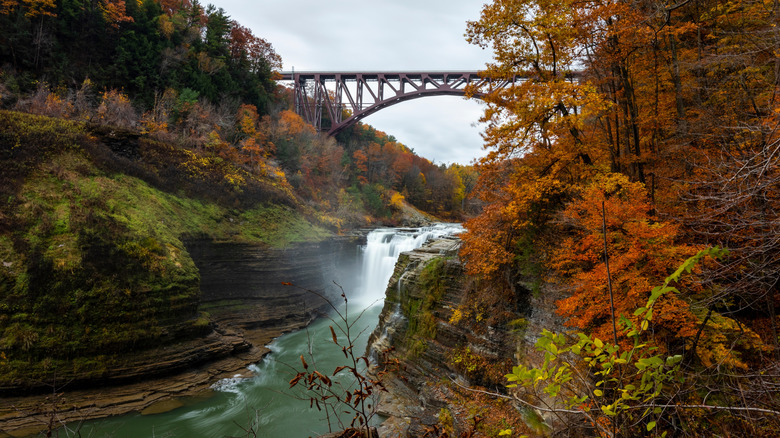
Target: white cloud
{"type": "Point", "coordinates": [372, 35]}
{"type": "Point", "coordinates": [437, 128]}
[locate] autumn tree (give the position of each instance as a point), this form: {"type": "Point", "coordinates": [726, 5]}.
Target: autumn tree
{"type": "Point", "coordinates": [322, 170]}
{"type": "Point", "coordinates": [467, 175]}
{"type": "Point", "coordinates": [115, 12]}
{"type": "Point", "coordinates": [290, 134]}
{"type": "Point", "coordinates": [614, 252]}
{"type": "Point", "coordinates": [627, 105]}
{"type": "Point", "coordinates": [669, 99]}
{"type": "Point", "coordinates": [251, 141]}
{"type": "Point", "coordinates": [361, 165]}
{"type": "Point", "coordinates": [256, 52]}
{"type": "Point", "coordinates": [535, 127]}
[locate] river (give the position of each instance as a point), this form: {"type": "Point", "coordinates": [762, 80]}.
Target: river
{"type": "Point", "coordinates": [264, 403]}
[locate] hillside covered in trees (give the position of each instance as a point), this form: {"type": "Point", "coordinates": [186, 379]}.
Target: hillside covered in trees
{"type": "Point", "coordinates": [127, 129]}
{"type": "Point", "coordinates": [189, 74]}
{"type": "Point", "coordinates": [642, 133]}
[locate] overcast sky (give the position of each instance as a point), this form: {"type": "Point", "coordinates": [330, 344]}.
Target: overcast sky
{"type": "Point", "coordinates": [388, 35]}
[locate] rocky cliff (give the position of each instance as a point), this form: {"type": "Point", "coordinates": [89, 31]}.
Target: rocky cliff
{"type": "Point", "coordinates": [247, 306]}
{"type": "Point", "coordinates": [452, 361]}
{"type": "Point", "coordinates": [257, 290]}
{"type": "Point", "coordinates": [98, 286]}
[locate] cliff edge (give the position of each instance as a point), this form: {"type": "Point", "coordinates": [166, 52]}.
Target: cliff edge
{"type": "Point", "coordinates": [450, 359]}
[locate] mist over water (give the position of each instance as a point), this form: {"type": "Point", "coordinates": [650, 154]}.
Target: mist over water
{"type": "Point", "coordinates": [264, 402]}
{"type": "Point", "coordinates": [382, 249]}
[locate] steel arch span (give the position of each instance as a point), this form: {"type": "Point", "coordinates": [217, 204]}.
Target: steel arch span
{"type": "Point", "coordinates": [363, 94]}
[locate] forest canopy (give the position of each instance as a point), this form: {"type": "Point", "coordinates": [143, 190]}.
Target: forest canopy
{"type": "Point", "coordinates": [186, 73]}
{"type": "Point", "coordinates": [140, 47]}
{"type": "Point", "coordinates": [641, 132]}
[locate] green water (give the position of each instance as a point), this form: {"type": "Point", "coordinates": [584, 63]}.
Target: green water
{"type": "Point", "coordinates": [263, 404]}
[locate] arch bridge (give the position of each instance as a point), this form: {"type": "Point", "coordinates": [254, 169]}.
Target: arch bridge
{"type": "Point", "coordinates": [365, 93]}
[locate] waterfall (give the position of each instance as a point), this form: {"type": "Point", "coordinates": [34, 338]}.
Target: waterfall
{"type": "Point", "coordinates": [264, 401]}
{"type": "Point", "coordinates": [383, 246]}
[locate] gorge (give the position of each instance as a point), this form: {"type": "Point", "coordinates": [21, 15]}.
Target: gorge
{"type": "Point", "coordinates": [243, 292]}
{"type": "Point", "coordinates": [247, 306]}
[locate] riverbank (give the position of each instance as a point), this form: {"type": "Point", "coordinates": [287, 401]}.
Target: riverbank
{"type": "Point", "coordinates": [25, 416]}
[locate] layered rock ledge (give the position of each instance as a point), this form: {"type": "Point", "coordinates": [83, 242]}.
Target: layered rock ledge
{"type": "Point", "coordinates": [450, 366]}
{"type": "Point", "coordinates": [248, 305]}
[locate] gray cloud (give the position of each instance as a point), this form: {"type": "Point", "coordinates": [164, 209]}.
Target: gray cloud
{"type": "Point", "coordinates": [371, 35]}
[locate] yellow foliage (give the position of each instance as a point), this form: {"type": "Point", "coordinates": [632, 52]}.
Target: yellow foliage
{"type": "Point", "coordinates": [723, 341]}
{"type": "Point", "coordinates": [397, 200]}
{"type": "Point", "coordinates": [457, 315]}
{"type": "Point", "coordinates": [331, 221]}
{"type": "Point", "coordinates": [166, 25]}
{"type": "Point", "coordinates": [235, 180]}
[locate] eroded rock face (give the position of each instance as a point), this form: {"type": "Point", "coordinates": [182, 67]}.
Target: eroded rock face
{"type": "Point", "coordinates": [249, 287]}
{"type": "Point", "coordinates": [248, 307]}
{"type": "Point", "coordinates": [440, 355]}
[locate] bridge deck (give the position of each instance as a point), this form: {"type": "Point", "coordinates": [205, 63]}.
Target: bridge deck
{"type": "Point", "coordinates": [343, 75]}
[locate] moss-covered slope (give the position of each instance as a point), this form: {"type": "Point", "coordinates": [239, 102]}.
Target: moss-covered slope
{"type": "Point", "coordinates": [92, 264]}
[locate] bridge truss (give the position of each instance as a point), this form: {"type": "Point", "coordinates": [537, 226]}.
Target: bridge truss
{"type": "Point", "coordinates": [347, 97]}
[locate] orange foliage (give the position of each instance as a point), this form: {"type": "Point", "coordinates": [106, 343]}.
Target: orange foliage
{"type": "Point", "coordinates": [114, 12]}
{"type": "Point", "coordinates": [488, 243]}
{"type": "Point", "coordinates": [361, 165]}
{"type": "Point", "coordinates": [40, 8]}
{"type": "Point", "coordinates": [633, 108]}
{"type": "Point", "coordinates": [641, 250]}
{"type": "Point", "coordinates": [7, 6]}
{"type": "Point", "coordinates": [292, 124]}
{"type": "Point", "coordinates": [322, 171]}
{"type": "Point", "coordinates": [34, 8]}
{"type": "Point", "coordinates": [518, 202]}
{"type": "Point", "coordinates": [252, 150]}
{"type": "Point", "coordinates": [153, 125]}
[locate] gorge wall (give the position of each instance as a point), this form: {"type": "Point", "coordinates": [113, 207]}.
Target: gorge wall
{"type": "Point", "coordinates": [246, 306]}
{"type": "Point", "coordinates": [443, 348]}
{"type": "Point", "coordinates": [257, 290]}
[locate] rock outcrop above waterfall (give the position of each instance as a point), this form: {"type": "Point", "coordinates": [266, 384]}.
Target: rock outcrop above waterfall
{"type": "Point", "coordinates": [414, 217]}
{"type": "Point", "coordinates": [441, 352]}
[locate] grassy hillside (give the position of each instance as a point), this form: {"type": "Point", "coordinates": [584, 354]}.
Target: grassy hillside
{"type": "Point", "coordinates": [92, 261]}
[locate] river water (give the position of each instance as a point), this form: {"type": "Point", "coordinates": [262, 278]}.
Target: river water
{"type": "Point", "coordinates": [264, 404]}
